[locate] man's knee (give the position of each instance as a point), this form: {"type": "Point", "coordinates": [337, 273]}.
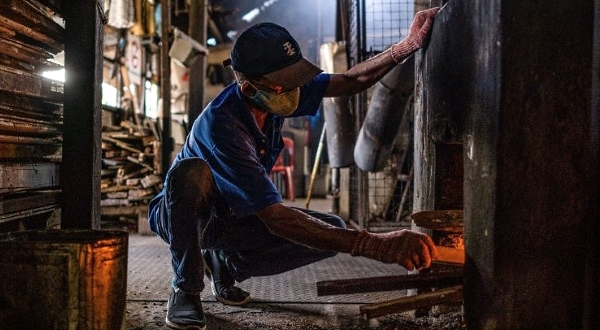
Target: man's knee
{"type": "Point", "coordinates": [191, 175]}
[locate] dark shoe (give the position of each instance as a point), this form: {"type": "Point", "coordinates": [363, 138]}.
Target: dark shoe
{"type": "Point", "coordinates": [221, 281]}
{"type": "Point", "coordinates": [184, 311]}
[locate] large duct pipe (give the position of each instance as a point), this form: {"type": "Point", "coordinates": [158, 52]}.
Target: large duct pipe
{"type": "Point", "coordinates": [384, 116]}
{"type": "Point", "coordinates": [339, 121]}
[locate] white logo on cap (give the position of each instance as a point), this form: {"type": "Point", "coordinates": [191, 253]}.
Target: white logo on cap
{"type": "Point", "coordinates": [289, 49]}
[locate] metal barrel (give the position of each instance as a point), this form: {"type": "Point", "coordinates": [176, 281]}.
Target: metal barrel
{"type": "Point", "coordinates": [63, 279]}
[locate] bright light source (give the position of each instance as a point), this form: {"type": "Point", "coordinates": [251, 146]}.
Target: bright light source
{"type": "Point", "coordinates": [251, 15]}
{"type": "Point", "coordinates": [211, 41]}
{"type": "Point", "coordinates": [109, 95]}
{"type": "Point", "coordinates": [151, 98]}
{"type": "Point", "coordinates": [58, 75]}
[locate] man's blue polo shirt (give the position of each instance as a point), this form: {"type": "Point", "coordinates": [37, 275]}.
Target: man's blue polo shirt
{"type": "Point", "coordinates": [240, 156]}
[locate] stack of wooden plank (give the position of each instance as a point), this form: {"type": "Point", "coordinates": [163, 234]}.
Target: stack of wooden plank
{"type": "Point", "coordinates": [31, 114]}
{"type": "Point", "coordinates": [129, 175]}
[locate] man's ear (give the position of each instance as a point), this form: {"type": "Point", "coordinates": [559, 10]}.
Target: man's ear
{"type": "Point", "coordinates": [247, 89]}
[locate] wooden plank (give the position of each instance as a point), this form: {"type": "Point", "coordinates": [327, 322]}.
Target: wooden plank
{"type": "Point", "coordinates": [52, 44]}
{"type": "Point", "coordinates": [121, 144]}
{"type": "Point", "coordinates": [23, 52]}
{"type": "Point", "coordinates": [7, 32]}
{"type": "Point", "coordinates": [14, 125]}
{"type": "Point", "coordinates": [443, 296]}
{"type": "Point", "coordinates": [390, 283]}
{"type": "Point", "coordinates": [26, 83]}
{"type": "Point", "coordinates": [55, 5]}
{"type": "Point", "coordinates": [30, 151]}
{"type": "Point", "coordinates": [30, 200]}
{"type": "Point", "coordinates": [48, 209]}
{"type": "Point", "coordinates": [29, 107]}
{"type": "Point", "coordinates": [34, 16]}
{"type": "Point", "coordinates": [22, 176]}
{"type": "Point", "coordinates": [123, 210]}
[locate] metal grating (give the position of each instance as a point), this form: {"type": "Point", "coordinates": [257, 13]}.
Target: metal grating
{"type": "Point", "coordinates": [149, 277]}
{"type": "Point", "coordinates": [379, 199]}
{"type": "Point", "coordinates": [386, 22]}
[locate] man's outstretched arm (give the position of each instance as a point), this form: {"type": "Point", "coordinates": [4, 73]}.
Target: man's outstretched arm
{"type": "Point", "coordinates": [412, 250]}
{"type": "Point", "coordinates": [363, 75]}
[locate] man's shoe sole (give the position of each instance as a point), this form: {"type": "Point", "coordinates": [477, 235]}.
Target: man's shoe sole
{"type": "Point", "coordinates": [184, 327]}
{"type": "Point", "coordinates": [225, 301]}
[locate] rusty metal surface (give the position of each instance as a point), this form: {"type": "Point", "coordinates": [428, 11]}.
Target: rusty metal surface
{"type": "Point", "coordinates": [63, 279]}
{"type": "Point", "coordinates": [441, 220]}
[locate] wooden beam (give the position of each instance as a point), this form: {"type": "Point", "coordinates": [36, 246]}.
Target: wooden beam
{"type": "Point", "coordinates": [28, 201]}
{"type": "Point", "coordinates": [443, 296]}
{"type": "Point", "coordinates": [389, 283]}
{"type": "Point", "coordinates": [82, 154]}
{"type": "Point", "coordinates": [21, 176]}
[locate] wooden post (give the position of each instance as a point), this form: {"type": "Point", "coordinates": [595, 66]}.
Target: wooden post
{"type": "Point", "coordinates": [82, 152]}
{"type": "Point", "coordinates": [197, 30]}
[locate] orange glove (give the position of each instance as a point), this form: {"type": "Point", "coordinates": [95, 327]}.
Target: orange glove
{"type": "Point", "coordinates": [418, 33]}
{"type": "Point", "coordinates": [408, 248]}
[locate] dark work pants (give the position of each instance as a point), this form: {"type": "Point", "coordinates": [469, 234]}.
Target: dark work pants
{"type": "Point", "coordinates": [194, 216]}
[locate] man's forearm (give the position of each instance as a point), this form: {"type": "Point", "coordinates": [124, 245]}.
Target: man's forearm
{"type": "Point", "coordinates": [303, 229]}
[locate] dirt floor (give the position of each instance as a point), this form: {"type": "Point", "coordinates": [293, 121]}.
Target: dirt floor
{"type": "Point", "coordinates": [259, 316]}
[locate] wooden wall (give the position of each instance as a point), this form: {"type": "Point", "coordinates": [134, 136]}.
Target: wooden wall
{"type": "Point", "coordinates": [50, 138]}
{"type": "Point", "coordinates": [31, 116]}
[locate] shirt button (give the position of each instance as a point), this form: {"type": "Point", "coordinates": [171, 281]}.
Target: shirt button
{"type": "Point", "coordinates": [263, 140]}
{"type": "Point", "coordinates": [262, 152]}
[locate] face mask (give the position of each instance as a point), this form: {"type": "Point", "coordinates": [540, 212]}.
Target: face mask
{"type": "Point", "coordinates": [283, 104]}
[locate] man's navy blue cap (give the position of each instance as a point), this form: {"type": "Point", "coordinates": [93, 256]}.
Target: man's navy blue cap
{"type": "Point", "coordinates": [267, 49]}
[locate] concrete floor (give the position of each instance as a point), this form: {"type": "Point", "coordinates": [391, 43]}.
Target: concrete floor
{"type": "Point", "coordinates": [286, 301]}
